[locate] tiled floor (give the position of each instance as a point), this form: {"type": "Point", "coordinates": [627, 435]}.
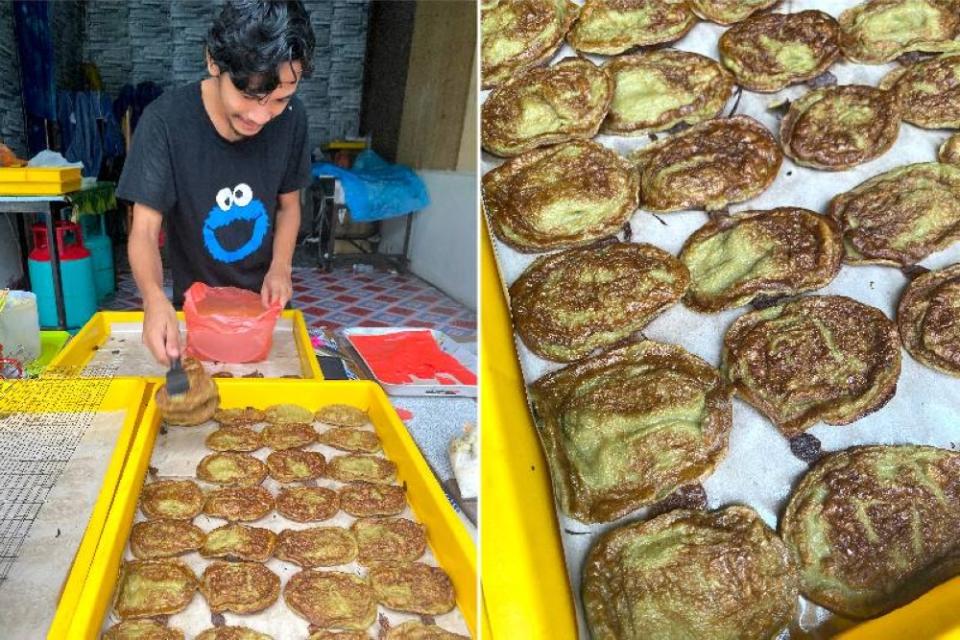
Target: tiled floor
{"type": "Point", "coordinates": [343, 298]}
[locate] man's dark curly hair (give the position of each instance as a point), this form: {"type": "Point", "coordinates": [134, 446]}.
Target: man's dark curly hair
{"type": "Point", "coordinates": [250, 39]}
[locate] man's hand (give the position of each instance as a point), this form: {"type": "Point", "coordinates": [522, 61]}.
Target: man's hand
{"type": "Point", "coordinates": [161, 331]}
{"type": "Point", "coordinates": [277, 287]}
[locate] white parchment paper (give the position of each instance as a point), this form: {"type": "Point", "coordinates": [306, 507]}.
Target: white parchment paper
{"type": "Point", "coordinates": [759, 469]}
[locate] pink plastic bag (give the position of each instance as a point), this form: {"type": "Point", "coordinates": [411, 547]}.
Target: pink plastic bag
{"type": "Point", "coordinates": [227, 324]}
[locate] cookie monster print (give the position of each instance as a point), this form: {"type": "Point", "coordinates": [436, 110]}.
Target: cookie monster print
{"type": "Point", "coordinates": [233, 205]}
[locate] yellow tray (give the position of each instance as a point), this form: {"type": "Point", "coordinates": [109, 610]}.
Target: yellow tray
{"type": "Point", "coordinates": [80, 349]}
{"type": "Point", "coordinates": [525, 589]}
{"type": "Point", "coordinates": [450, 542]}
{"type": "Point", "coordinates": [39, 181]}
{"type": "Point", "coordinates": [526, 593]}
{"type": "Point", "coordinates": [121, 394]}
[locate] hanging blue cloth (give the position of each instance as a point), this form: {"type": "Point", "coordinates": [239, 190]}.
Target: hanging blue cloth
{"type": "Point", "coordinates": [89, 130]}
{"type": "Point", "coordinates": [111, 136]}
{"type": "Point", "coordinates": [32, 19]}
{"type": "Point", "coordinates": [35, 45]}
{"type": "Point", "coordinates": [375, 189]}
{"type": "Point", "coordinates": [66, 117]}
{"type": "Point", "coordinates": [136, 99]}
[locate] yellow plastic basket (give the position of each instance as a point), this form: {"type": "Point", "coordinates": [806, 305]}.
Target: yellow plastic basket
{"type": "Point", "coordinates": [82, 346]}
{"type": "Point", "coordinates": [526, 593]}
{"type": "Point", "coordinates": [39, 181]}
{"type": "Point", "coordinates": [447, 536]}
{"type": "Point", "coordinates": [128, 395]}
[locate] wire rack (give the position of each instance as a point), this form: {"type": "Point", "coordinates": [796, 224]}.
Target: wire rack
{"type": "Point", "coordinates": [41, 424]}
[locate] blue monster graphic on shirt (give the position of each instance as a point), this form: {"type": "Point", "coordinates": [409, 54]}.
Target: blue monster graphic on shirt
{"type": "Point", "coordinates": [232, 205]}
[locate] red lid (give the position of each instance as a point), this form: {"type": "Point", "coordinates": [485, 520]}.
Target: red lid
{"type": "Point", "coordinates": [69, 242]}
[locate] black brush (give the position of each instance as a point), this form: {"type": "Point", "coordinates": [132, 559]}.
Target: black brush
{"type": "Point", "coordinates": [177, 381]}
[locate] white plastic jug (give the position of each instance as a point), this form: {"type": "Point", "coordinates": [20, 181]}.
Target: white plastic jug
{"type": "Point", "coordinates": [20, 327]}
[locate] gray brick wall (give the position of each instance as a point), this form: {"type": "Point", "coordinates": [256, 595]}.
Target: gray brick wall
{"type": "Point", "coordinates": [107, 42]}
{"type": "Point", "coordinates": [11, 104]}
{"type": "Point", "coordinates": [334, 92]}
{"type": "Point", "coordinates": [189, 22]}
{"type": "Point", "coordinates": [162, 41]}
{"type": "Point", "coordinates": [151, 34]}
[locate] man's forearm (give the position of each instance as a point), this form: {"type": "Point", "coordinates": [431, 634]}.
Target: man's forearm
{"type": "Point", "coordinates": [146, 265]}
{"type": "Point", "coordinates": [285, 237]}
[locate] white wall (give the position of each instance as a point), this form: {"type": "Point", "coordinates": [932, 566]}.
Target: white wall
{"type": "Point", "coordinates": [443, 240]}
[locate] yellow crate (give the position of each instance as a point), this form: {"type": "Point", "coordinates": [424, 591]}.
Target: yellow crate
{"type": "Point", "coordinates": [449, 540]}
{"type": "Point", "coordinates": [81, 347]}
{"type": "Point", "coordinates": [39, 181]}
{"type": "Point", "coordinates": [526, 593]}
{"type": "Point", "coordinates": [121, 394]}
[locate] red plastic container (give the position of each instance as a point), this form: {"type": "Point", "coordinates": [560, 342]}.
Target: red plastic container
{"type": "Point", "coordinates": [227, 324]}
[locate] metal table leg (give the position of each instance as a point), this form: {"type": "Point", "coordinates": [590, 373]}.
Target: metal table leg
{"type": "Point", "coordinates": [332, 225]}
{"type": "Point", "coordinates": [405, 259]}
{"type": "Point", "coordinates": [24, 239]}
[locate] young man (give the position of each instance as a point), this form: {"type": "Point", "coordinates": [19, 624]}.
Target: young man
{"type": "Point", "coordinates": [222, 160]}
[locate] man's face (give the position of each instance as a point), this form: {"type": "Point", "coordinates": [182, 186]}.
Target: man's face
{"type": "Point", "coordinates": [247, 114]}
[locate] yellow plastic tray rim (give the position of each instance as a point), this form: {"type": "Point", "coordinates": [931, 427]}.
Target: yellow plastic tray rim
{"type": "Point", "coordinates": [451, 544]}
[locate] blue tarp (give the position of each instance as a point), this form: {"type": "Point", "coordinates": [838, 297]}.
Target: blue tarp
{"type": "Point", "coordinates": [375, 189]}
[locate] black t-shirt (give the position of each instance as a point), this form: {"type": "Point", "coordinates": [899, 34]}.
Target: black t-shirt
{"type": "Point", "coordinates": [219, 198]}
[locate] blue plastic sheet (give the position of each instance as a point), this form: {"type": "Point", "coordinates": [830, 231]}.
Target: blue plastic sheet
{"type": "Point", "coordinates": [374, 189]}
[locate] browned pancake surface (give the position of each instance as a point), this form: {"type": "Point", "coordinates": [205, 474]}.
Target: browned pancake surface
{"type": "Point", "coordinates": [817, 358]}
{"type": "Point", "coordinates": [239, 587]}
{"type": "Point", "coordinates": [308, 504]}
{"type": "Point", "coordinates": [331, 599]}
{"type": "Point", "coordinates": [359, 468]}
{"type": "Point", "coordinates": [414, 587]}
{"type": "Point", "coordinates": [734, 259]}
{"type": "Point", "coordinates": [389, 540]}
{"type": "Point", "coordinates": [164, 538]}
{"type": "Point", "coordinates": [563, 196]}
{"type": "Point", "coordinates": [708, 166]}
{"type": "Point", "coordinates": [150, 588]}
{"type": "Point", "coordinates": [929, 319]}
{"type": "Point", "coordinates": [770, 51]}
{"type": "Point", "coordinates": [177, 499]}
{"type": "Point", "coordinates": [839, 127]}
{"type": "Point", "coordinates": [232, 469]}
{"type": "Point", "coordinates": [243, 504]}
{"type": "Point", "coordinates": [239, 542]}
{"type": "Point", "coordinates": [567, 304]}
{"type": "Point", "coordinates": [317, 546]}
{"type": "Point", "coordinates": [294, 465]}
{"type": "Point", "coordinates": [239, 439]}
{"type": "Point", "coordinates": [901, 216]}
{"type": "Point", "coordinates": [366, 499]}
{"type": "Point", "coordinates": [545, 106]}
